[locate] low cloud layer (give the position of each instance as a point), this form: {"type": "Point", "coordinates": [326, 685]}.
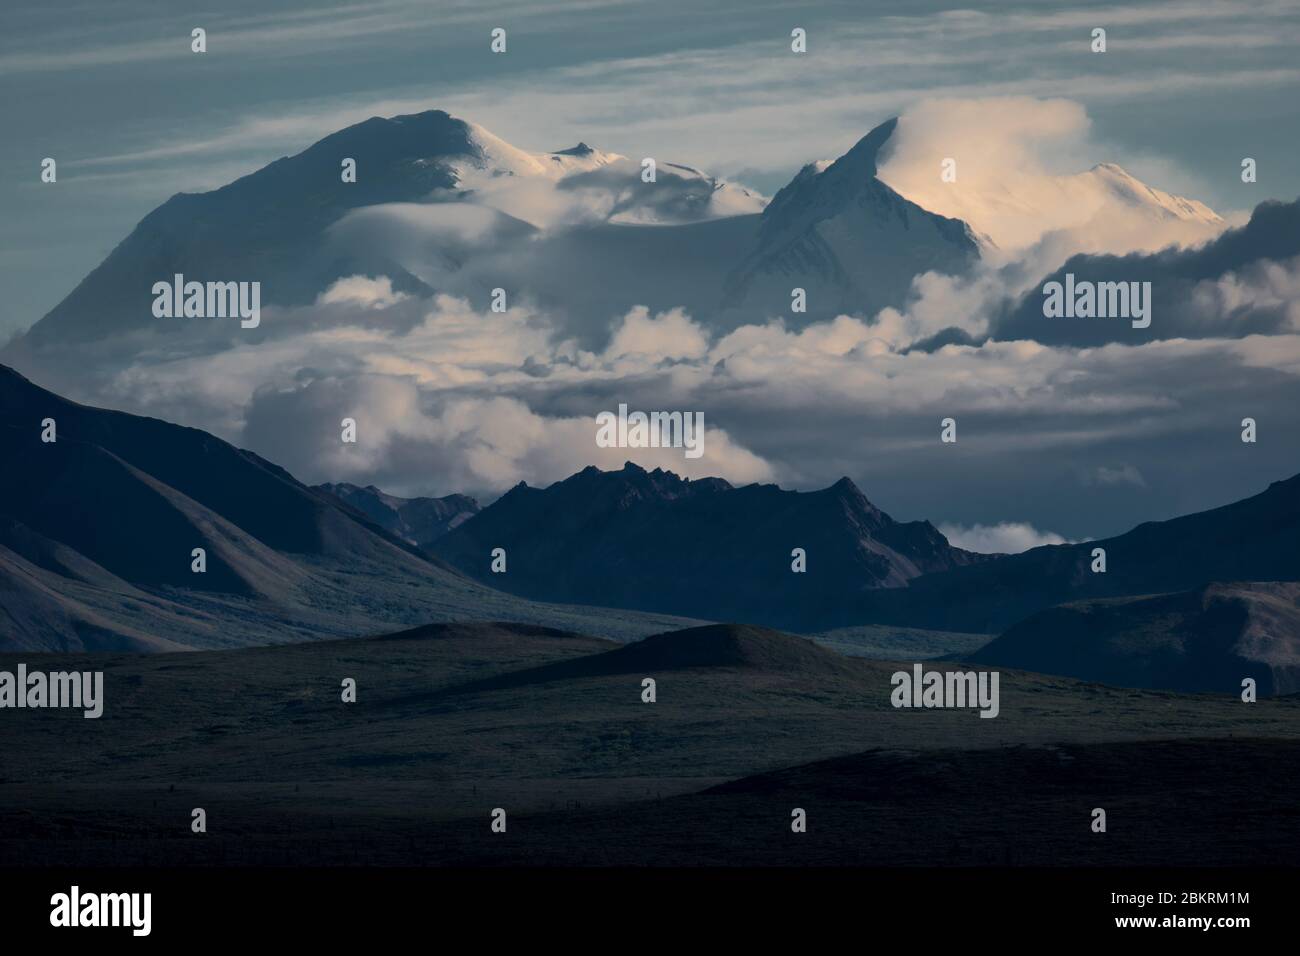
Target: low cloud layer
{"type": "Point", "coordinates": [449, 397]}
{"type": "Point", "coordinates": [1007, 537]}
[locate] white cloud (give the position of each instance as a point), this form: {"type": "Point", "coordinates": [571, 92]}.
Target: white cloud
{"type": "Point", "coordinates": [1018, 182]}
{"type": "Point", "coordinates": [668, 335]}
{"type": "Point", "coordinates": [409, 440]}
{"type": "Point", "coordinates": [1007, 537]}
{"type": "Point", "coordinates": [362, 291]}
{"type": "Point", "coordinates": [443, 394]}
{"type": "Point", "coordinates": [451, 397]}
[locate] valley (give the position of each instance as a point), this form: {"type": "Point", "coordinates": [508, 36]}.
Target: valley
{"type": "Point", "coordinates": [451, 721]}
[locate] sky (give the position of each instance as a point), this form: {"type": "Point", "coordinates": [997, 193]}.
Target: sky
{"type": "Point", "coordinates": [1062, 440]}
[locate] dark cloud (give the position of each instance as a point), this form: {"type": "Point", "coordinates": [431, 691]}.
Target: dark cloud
{"type": "Point", "coordinates": [1244, 282]}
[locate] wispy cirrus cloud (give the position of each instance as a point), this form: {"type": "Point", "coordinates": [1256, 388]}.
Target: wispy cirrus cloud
{"type": "Point", "coordinates": [781, 111]}
{"type": "Point", "coordinates": [285, 34]}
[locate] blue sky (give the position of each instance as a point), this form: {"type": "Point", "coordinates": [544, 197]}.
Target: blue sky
{"type": "Point", "coordinates": [113, 92]}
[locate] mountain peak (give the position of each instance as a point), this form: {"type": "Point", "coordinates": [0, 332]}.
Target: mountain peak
{"type": "Point", "coordinates": [834, 219]}
{"type": "Point", "coordinates": [384, 142]}
{"type": "Point", "coordinates": [1114, 168]}
{"type": "Point", "coordinates": [865, 152]}
{"type": "Point", "coordinates": [828, 184]}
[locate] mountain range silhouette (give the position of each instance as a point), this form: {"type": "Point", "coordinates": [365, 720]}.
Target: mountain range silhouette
{"type": "Point", "coordinates": [97, 531]}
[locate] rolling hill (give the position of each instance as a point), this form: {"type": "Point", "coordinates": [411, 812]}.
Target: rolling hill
{"type": "Point", "coordinates": [748, 724]}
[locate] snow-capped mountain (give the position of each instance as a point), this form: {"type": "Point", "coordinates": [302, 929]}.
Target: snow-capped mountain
{"type": "Point", "coordinates": [1131, 191]}
{"type": "Point", "coordinates": [585, 185]}
{"type": "Point", "coordinates": [441, 205]}
{"type": "Point", "coordinates": [495, 157]}
{"type": "Point", "coordinates": [847, 238]}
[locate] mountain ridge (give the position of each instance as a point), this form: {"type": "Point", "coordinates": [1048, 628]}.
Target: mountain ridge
{"type": "Point", "coordinates": [98, 530]}
{"type": "Point", "coordinates": [1247, 540]}
{"type": "Point", "coordinates": [632, 536]}
{"type": "Point", "coordinates": [1204, 640]}
{"type": "Point", "coordinates": [613, 533]}
{"type": "Point", "coordinates": [418, 521]}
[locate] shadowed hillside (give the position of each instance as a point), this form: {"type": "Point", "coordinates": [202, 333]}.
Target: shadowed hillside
{"type": "Point", "coordinates": [1249, 540]}
{"type": "Point", "coordinates": [99, 526]}
{"type": "Point", "coordinates": [1204, 640]}
{"type": "Point", "coordinates": [1168, 803]}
